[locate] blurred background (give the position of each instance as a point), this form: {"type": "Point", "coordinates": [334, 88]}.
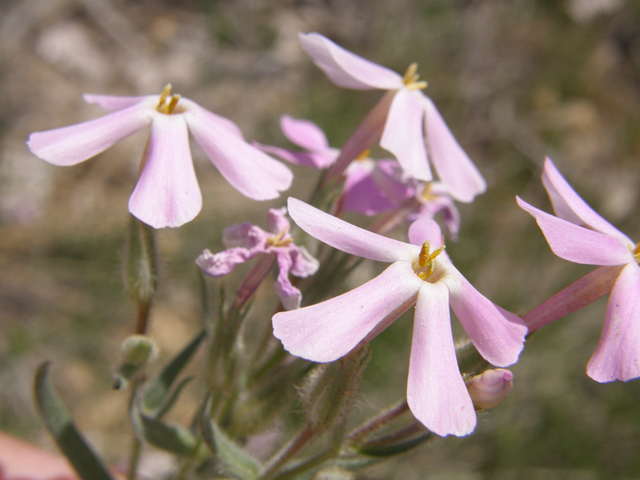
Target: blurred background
{"type": "Point", "coordinates": [515, 80]}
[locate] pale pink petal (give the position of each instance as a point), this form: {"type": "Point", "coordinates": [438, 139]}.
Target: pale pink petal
{"type": "Point", "coordinates": [245, 235]}
{"type": "Point", "coordinates": [277, 221]}
{"type": "Point", "coordinates": [289, 295]}
{"type": "Point", "coordinates": [167, 193]}
{"type": "Point", "coordinates": [578, 244]}
{"type": "Point", "coordinates": [568, 205]}
{"type": "Point", "coordinates": [303, 263]}
{"type": "Point", "coordinates": [425, 229]}
{"type": "Point", "coordinates": [185, 105]}
{"type": "Point", "coordinates": [390, 178]}
{"type": "Point", "coordinates": [306, 159]}
{"type": "Point", "coordinates": [77, 143]}
{"type": "Point", "coordinates": [453, 165]}
{"type": "Point", "coordinates": [618, 354]}
{"type": "Point", "coordinates": [403, 134]}
{"type": "Point", "coordinates": [361, 192]}
{"type": "Point", "coordinates": [497, 334]}
{"type": "Point", "coordinates": [331, 329]}
{"type": "Point", "coordinates": [303, 133]}
{"type": "Point", "coordinates": [349, 238]}
{"type": "Point", "coordinates": [346, 69]}
{"type": "Point", "coordinates": [251, 172]}
{"type": "Point", "coordinates": [436, 393]}
{"type": "Point", "coordinates": [222, 263]}
{"type": "Point", "coordinates": [111, 103]}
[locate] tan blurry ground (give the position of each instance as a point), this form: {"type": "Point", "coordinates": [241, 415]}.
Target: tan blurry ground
{"type": "Point", "coordinates": [515, 80]}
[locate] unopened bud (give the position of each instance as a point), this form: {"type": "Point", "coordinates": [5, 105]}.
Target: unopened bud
{"type": "Point", "coordinates": [137, 351]}
{"type": "Point", "coordinates": [140, 262]}
{"type": "Point", "coordinates": [490, 388]}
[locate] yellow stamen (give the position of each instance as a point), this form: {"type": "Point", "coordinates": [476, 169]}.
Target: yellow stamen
{"type": "Point", "coordinates": [426, 260]}
{"type": "Point", "coordinates": [636, 253]}
{"type": "Point", "coordinates": [164, 106]}
{"type": "Point", "coordinates": [277, 241]}
{"type": "Point", "coordinates": [426, 194]}
{"type": "Point", "coordinates": [365, 154]}
{"type": "Point", "coordinates": [410, 78]}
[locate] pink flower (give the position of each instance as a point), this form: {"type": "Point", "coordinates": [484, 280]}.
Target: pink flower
{"type": "Point", "coordinates": [422, 274]}
{"type": "Point", "coordinates": [413, 125]}
{"type": "Point", "coordinates": [167, 193]}
{"type": "Point", "coordinates": [580, 235]}
{"type": "Point", "coordinates": [490, 388]}
{"type": "Point", "coordinates": [434, 199]}
{"type": "Point", "coordinates": [245, 241]}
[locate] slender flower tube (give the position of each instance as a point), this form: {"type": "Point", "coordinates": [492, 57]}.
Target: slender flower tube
{"type": "Point", "coordinates": [245, 241]}
{"type": "Point", "coordinates": [420, 274]}
{"type": "Point", "coordinates": [167, 192]}
{"type": "Point", "coordinates": [412, 128]}
{"type": "Point", "coordinates": [578, 234]}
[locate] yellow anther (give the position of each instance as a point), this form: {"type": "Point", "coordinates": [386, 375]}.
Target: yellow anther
{"type": "Point", "coordinates": [426, 194]}
{"type": "Point", "coordinates": [164, 106]}
{"type": "Point", "coordinates": [410, 78]}
{"type": "Point", "coordinates": [365, 154]}
{"type": "Point", "coordinates": [426, 263]}
{"type": "Point", "coordinates": [277, 241]}
{"type": "Point", "coordinates": [636, 253]}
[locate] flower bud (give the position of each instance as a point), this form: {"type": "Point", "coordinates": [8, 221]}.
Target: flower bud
{"type": "Point", "coordinates": [137, 351]}
{"type": "Point", "coordinates": [490, 388]}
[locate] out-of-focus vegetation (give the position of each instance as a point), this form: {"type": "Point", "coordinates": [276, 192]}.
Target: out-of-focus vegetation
{"type": "Point", "coordinates": [515, 81]}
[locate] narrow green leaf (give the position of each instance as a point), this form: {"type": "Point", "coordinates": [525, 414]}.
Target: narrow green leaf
{"type": "Point", "coordinates": [157, 390]}
{"type": "Point", "coordinates": [60, 425]}
{"type": "Point", "coordinates": [380, 449]}
{"type": "Point", "coordinates": [172, 438]}
{"type": "Point", "coordinates": [234, 459]}
{"type": "Point", "coordinates": [173, 397]}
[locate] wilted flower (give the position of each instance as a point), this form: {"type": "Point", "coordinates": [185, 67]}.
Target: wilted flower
{"type": "Point", "coordinates": [580, 235]}
{"type": "Point", "coordinates": [245, 241]}
{"type": "Point", "coordinates": [413, 126]}
{"type": "Point", "coordinates": [421, 274]}
{"type": "Point", "coordinates": [167, 193]}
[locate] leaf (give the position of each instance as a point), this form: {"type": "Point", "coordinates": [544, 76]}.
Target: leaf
{"type": "Point", "coordinates": [173, 397]}
{"type": "Point", "coordinates": [159, 388]}
{"type": "Point", "coordinates": [171, 438]}
{"type": "Point", "coordinates": [235, 460]}
{"type": "Point", "coordinates": [379, 449]}
{"type": "Point", "coordinates": [60, 425]}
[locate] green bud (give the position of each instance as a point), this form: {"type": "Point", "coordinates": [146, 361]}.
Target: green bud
{"type": "Point", "coordinates": [140, 263]}
{"type": "Point", "coordinates": [137, 351]}
{"type": "Point", "coordinates": [334, 473]}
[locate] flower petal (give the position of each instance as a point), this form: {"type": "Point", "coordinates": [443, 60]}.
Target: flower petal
{"type": "Point", "coordinates": [568, 205]}
{"type": "Point", "coordinates": [277, 220]}
{"type": "Point", "coordinates": [453, 165]}
{"type": "Point", "coordinates": [111, 103]}
{"type": "Point", "coordinates": [349, 238]}
{"type": "Point", "coordinates": [618, 354]}
{"type": "Point", "coordinates": [303, 263]}
{"type": "Point", "coordinates": [347, 69]}
{"type": "Point", "coordinates": [289, 295]}
{"type": "Point", "coordinates": [253, 173]}
{"type": "Point", "coordinates": [77, 143]}
{"type": "Point", "coordinates": [403, 134]}
{"type": "Point", "coordinates": [245, 235]}
{"type": "Point", "coordinates": [303, 133]}
{"type": "Point", "coordinates": [331, 329]}
{"type": "Point", "coordinates": [424, 229]}
{"type": "Point", "coordinates": [361, 192]}
{"type": "Point", "coordinates": [578, 244]}
{"type": "Point", "coordinates": [223, 263]}
{"type": "Point", "coordinates": [497, 334]}
{"type": "Point", "coordinates": [436, 393]}
{"type": "Point", "coordinates": [167, 193]}
{"type": "Point", "coordinates": [306, 159]}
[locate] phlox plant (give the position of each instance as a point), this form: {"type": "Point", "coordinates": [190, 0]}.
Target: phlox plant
{"type": "Point", "coordinates": [298, 369]}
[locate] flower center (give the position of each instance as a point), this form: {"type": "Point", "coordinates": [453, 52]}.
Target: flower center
{"type": "Point", "coordinates": [278, 241]}
{"type": "Point", "coordinates": [364, 155]}
{"type": "Point", "coordinates": [426, 264]}
{"type": "Point", "coordinates": [410, 78]}
{"type": "Point", "coordinates": [167, 103]}
{"type": "Point", "coordinates": [427, 195]}
{"type": "Point", "coordinates": [636, 253]}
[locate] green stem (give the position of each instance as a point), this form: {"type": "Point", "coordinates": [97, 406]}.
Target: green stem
{"type": "Point", "coordinates": [289, 451]}
{"type": "Point", "coordinates": [379, 421]}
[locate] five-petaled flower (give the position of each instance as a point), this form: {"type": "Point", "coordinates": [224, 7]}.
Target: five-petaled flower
{"type": "Point", "coordinates": [421, 274]}
{"type": "Point", "coordinates": [580, 235]}
{"type": "Point", "coordinates": [244, 241]}
{"type": "Point", "coordinates": [167, 192]}
{"type": "Point", "coordinates": [413, 126]}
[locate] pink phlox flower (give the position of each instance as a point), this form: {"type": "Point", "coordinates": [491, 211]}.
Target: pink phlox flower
{"type": "Point", "coordinates": [245, 241]}
{"type": "Point", "coordinates": [434, 199]}
{"type": "Point", "coordinates": [420, 274]}
{"type": "Point", "coordinates": [167, 192]}
{"type": "Point", "coordinates": [413, 127]}
{"type": "Point", "coordinates": [375, 186]}
{"type": "Point", "coordinates": [305, 134]}
{"type": "Point", "coordinates": [578, 234]}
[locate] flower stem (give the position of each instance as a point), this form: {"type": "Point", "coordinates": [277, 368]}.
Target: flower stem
{"type": "Point", "coordinates": [379, 421]}
{"type": "Point", "coordinates": [287, 452]}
